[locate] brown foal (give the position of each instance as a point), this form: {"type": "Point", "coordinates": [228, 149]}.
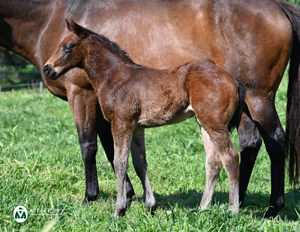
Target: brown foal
{"type": "Point", "coordinates": [134, 97]}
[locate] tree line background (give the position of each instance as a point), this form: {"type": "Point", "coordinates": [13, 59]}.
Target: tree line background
{"type": "Point", "coordinates": [16, 70]}
{"type": "Point", "coordinates": [296, 2]}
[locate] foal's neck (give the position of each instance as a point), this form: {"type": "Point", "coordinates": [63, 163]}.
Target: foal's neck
{"type": "Point", "coordinates": [102, 61]}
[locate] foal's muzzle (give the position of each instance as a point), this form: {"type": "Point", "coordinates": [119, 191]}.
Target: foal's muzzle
{"type": "Point", "coordinates": [50, 72]}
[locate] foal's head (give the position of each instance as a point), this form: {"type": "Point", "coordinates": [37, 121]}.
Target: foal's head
{"type": "Point", "coordinates": [76, 48]}
{"type": "Point", "coordinates": [70, 53]}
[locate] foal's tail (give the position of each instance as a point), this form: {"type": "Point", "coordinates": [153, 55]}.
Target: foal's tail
{"type": "Point", "coordinates": [292, 141]}
{"type": "Point", "coordinates": [236, 119]}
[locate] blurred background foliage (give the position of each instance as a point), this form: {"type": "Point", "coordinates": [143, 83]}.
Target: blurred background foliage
{"type": "Point", "coordinates": [296, 2]}
{"type": "Point", "coordinates": [14, 69]}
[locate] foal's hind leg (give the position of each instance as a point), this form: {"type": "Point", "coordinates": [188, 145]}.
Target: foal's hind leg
{"type": "Point", "coordinates": [140, 164]}
{"type": "Point", "coordinates": [213, 167]}
{"type": "Point", "coordinates": [230, 159]}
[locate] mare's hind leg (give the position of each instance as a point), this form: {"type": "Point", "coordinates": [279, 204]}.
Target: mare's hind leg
{"type": "Point", "coordinates": [213, 167]}
{"type": "Point", "coordinates": [273, 134]}
{"type": "Point", "coordinates": [250, 143]}
{"type": "Point", "coordinates": [140, 164]}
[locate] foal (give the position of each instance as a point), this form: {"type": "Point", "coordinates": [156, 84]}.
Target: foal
{"type": "Point", "coordinates": [133, 97]}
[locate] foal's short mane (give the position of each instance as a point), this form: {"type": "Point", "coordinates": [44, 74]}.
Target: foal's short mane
{"type": "Point", "coordinates": [115, 48]}
{"type": "Point", "coordinates": [113, 45]}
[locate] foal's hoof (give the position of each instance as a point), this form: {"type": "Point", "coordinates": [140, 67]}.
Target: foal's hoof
{"type": "Point", "coordinates": [233, 209]}
{"type": "Point", "coordinates": [120, 213]}
{"type": "Point", "coordinates": [151, 209]}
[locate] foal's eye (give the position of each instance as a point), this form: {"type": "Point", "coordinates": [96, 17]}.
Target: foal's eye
{"type": "Point", "coordinates": [68, 47]}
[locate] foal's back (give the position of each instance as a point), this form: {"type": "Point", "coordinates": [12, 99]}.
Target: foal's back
{"type": "Point", "coordinates": [159, 97]}
{"type": "Point", "coordinates": [153, 96]}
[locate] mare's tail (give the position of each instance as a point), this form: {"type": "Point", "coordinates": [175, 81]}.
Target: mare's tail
{"type": "Point", "coordinates": [292, 141]}
{"type": "Point", "coordinates": [236, 119]}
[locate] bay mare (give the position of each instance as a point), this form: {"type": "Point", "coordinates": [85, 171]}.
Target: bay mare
{"type": "Point", "coordinates": [165, 34]}
{"type": "Point", "coordinates": [133, 97]}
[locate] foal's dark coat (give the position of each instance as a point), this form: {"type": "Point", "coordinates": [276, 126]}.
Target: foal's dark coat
{"type": "Point", "coordinates": [133, 97]}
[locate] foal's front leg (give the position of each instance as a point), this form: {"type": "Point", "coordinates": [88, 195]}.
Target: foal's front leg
{"type": "Point", "coordinates": [122, 133]}
{"type": "Point", "coordinates": [106, 138]}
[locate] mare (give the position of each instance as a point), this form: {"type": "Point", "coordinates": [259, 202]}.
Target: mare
{"type": "Point", "coordinates": [133, 97]}
{"type": "Point", "coordinates": [253, 40]}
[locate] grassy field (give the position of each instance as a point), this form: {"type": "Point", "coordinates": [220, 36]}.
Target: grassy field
{"type": "Point", "coordinates": [41, 168]}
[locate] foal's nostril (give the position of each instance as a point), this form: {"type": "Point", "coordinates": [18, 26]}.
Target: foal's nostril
{"type": "Point", "coordinates": [46, 70]}
{"type": "Point", "coordinates": [49, 72]}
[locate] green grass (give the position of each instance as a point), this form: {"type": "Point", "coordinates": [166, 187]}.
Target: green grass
{"type": "Point", "coordinates": [41, 168]}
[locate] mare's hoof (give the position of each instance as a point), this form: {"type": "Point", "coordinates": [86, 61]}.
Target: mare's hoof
{"type": "Point", "coordinates": [89, 200]}
{"type": "Point", "coordinates": [85, 202]}
{"type": "Point", "coordinates": [271, 213]}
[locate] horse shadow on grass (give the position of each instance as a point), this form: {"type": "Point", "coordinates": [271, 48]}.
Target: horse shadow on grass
{"type": "Point", "coordinates": [255, 204]}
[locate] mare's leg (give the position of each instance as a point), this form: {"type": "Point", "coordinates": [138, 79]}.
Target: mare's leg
{"type": "Point", "coordinates": [83, 104]}
{"type": "Point", "coordinates": [273, 134]}
{"type": "Point", "coordinates": [140, 164]}
{"type": "Point", "coordinates": [122, 133]}
{"type": "Point", "coordinates": [250, 143]}
{"type": "Point", "coordinates": [106, 138]}
{"type": "Point", "coordinates": [89, 120]}
{"type": "Point", "coordinates": [213, 167]}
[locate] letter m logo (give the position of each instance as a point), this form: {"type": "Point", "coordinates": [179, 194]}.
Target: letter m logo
{"type": "Point", "coordinates": [20, 214]}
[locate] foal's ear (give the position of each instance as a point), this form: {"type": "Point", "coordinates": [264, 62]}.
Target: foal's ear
{"type": "Point", "coordinates": [76, 29]}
